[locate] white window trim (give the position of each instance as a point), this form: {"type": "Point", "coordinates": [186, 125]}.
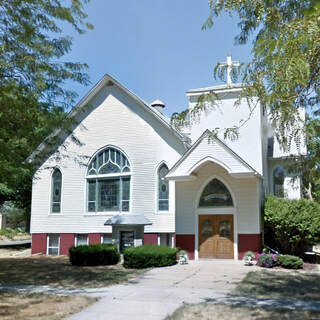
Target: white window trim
{"type": "Point", "coordinates": [50, 194]}
{"type": "Point", "coordinates": [157, 190]}
{"type": "Point", "coordinates": [101, 176]}
{"type": "Point", "coordinates": [102, 234]}
{"type": "Point", "coordinates": [80, 234]}
{"type": "Point", "coordinates": [48, 235]}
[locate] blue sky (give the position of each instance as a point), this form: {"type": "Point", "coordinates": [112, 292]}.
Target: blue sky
{"type": "Point", "coordinates": [155, 48]}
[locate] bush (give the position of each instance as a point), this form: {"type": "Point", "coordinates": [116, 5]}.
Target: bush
{"type": "Point", "coordinates": [266, 260]}
{"type": "Point", "coordinates": [289, 262]}
{"type": "Point", "coordinates": [94, 255]}
{"type": "Point", "coordinates": [291, 225]}
{"type": "Point", "coordinates": [149, 255]}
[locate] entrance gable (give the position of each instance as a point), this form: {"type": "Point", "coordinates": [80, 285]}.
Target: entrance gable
{"type": "Point", "coordinates": [207, 149]}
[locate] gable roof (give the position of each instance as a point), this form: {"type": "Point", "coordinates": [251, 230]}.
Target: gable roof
{"type": "Point", "coordinates": [241, 168]}
{"type": "Point", "coordinates": [109, 80]}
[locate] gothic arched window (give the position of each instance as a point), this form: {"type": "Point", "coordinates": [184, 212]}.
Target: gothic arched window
{"type": "Point", "coordinates": [163, 188]}
{"type": "Point", "coordinates": [56, 186]}
{"type": "Point", "coordinates": [278, 182]}
{"type": "Point", "coordinates": [215, 194]}
{"type": "Point", "coordinates": [108, 181]}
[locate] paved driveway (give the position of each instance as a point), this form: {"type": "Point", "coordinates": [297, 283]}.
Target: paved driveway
{"type": "Point", "coordinates": [162, 290]}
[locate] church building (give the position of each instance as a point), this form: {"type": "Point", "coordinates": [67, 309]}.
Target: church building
{"type": "Point", "coordinates": [133, 178]}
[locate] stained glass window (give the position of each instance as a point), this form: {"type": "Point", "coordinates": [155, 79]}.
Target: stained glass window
{"type": "Point", "coordinates": [215, 194]}
{"type": "Point", "coordinates": [56, 185]}
{"type": "Point", "coordinates": [163, 189]}
{"type": "Point", "coordinates": [108, 180]}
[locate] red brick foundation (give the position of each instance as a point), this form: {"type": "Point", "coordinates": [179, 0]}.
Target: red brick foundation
{"type": "Point", "coordinates": [39, 243]}
{"type": "Point", "coordinates": [66, 241]}
{"type": "Point", "coordinates": [94, 238]}
{"type": "Point", "coordinates": [246, 242]}
{"type": "Point", "coordinates": [150, 238]}
{"type": "Point", "coordinates": [186, 242]}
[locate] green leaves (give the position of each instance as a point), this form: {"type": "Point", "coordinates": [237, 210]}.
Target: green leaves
{"type": "Point", "coordinates": [292, 224]}
{"type": "Point", "coordinates": [33, 98]}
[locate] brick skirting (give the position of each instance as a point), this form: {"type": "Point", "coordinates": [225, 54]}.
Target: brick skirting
{"type": "Point", "coordinates": [246, 242]}
{"type": "Point", "coordinates": [186, 242]}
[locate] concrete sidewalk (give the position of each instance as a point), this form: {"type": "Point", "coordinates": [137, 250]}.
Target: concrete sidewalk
{"type": "Point", "coordinates": [160, 291]}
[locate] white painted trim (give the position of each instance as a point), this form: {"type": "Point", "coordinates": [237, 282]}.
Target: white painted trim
{"type": "Point", "coordinates": [55, 234]}
{"type": "Point", "coordinates": [158, 239]}
{"type": "Point", "coordinates": [216, 211]}
{"type": "Point", "coordinates": [109, 175]}
{"type": "Point", "coordinates": [208, 159]}
{"type": "Point", "coordinates": [50, 192]}
{"type": "Point", "coordinates": [82, 234]}
{"type": "Point", "coordinates": [103, 234]}
{"type": "Point", "coordinates": [157, 189]}
{"type": "Point", "coordinates": [191, 177]}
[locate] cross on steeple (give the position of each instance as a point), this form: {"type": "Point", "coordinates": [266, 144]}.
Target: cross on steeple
{"type": "Point", "coordinates": [230, 64]}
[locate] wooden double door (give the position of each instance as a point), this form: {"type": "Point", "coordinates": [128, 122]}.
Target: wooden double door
{"type": "Point", "coordinates": [216, 240]}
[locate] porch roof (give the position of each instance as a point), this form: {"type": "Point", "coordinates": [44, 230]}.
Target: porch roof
{"type": "Point", "coordinates": [128, 220]}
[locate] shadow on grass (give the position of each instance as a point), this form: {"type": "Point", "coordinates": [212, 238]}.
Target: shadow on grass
{"type": "Point", "coordinates": [227, 312]}
{"type": "Point", "coordinates": [280, 285]}
{"type": "Point", "coordinates": [58, 271]}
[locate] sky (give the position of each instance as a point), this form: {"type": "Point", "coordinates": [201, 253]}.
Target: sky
{"type": "Point", "coordinates": [156, 48]}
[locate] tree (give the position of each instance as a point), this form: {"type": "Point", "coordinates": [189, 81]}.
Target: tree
{"type": "Point", "coordinates": [33, 100]}
{"type": "Point", "coordinates": [284, 72]}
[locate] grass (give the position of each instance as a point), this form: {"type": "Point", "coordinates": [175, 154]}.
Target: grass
{"type": "Point", "coordinates": [40, 306]}
{"type": "Point", "coordinates": [207, 311]}
{"type": "Point", "coordinates": [280, 285]}
{"type": "Point", "coordinates": [57, 271]}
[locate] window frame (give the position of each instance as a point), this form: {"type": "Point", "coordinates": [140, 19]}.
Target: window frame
{"type": "Point", "coordinates": [159, 167]}
{"type": "Point", "coordinates": [273, 181]}
{"type": "Point", "coordinates": [215, 207]}
{"type": "Point", "coordinates": [109, 235]}
{"type": "Point", "coordinates": [52, 189]}
{"type": "Point", "coordinates": [108, 176]}
{"type": "Point", "coordinates": [76, 239]}
{"type": "Point", "coordinates": [48, 241]}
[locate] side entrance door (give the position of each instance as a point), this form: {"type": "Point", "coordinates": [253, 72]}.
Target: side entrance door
{"type": "Point", "coordinates": [126, 240]}
{"type": "Point", "coordinates": [216, 236]}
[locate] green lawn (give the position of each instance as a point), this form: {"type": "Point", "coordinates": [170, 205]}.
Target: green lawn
{"type": "Point", "coordinates": [57, 271]}
{"type": "Point", "coordinates": [280, 285]}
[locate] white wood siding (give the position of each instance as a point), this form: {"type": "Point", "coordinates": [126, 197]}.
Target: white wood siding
{"type": "Point", "coordinates": [214, 150]}
{"type": "Point", "coordinates": [115, 119]}
{"type": "Point", "coordinates": [245, 191]}
{"type": "Point", "coordinates": [226, 115]}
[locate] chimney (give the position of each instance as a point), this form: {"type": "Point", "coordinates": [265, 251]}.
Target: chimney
{"type": "Point", "coordinates": [158, 105]}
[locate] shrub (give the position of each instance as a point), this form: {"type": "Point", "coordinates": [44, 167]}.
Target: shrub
{"type": "Point", "coordinates": [149, 255]}
{"type": "Point", "coordinates": [289, 262]}
{"type": "Point", "coordinates": [94, 255]}
{"type": "Point", "coordinates": [291, 225]}
{"type": "Point", "coordinates": [266, 260]}
{"type": "Point", "coordinates": [249, 254]}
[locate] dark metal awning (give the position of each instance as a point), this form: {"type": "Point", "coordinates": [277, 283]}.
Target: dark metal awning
{"type": "Point", "coordinates": [128, 220]}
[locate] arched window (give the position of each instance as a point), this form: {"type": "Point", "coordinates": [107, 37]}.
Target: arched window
{"type": "Point", "coordinates": [56, 185]}
{"type": "Point", "coordinates": [215, 194]}
{"type": "Point", "coordinates": [278, 182]}
{"type": "Point", "coordinates": [108, 181]}
{"type": "Point", "coordinates": [163, 189]}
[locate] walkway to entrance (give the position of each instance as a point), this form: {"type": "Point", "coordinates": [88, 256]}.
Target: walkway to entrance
{"type": "Point", "coordinates": [162, 290]}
